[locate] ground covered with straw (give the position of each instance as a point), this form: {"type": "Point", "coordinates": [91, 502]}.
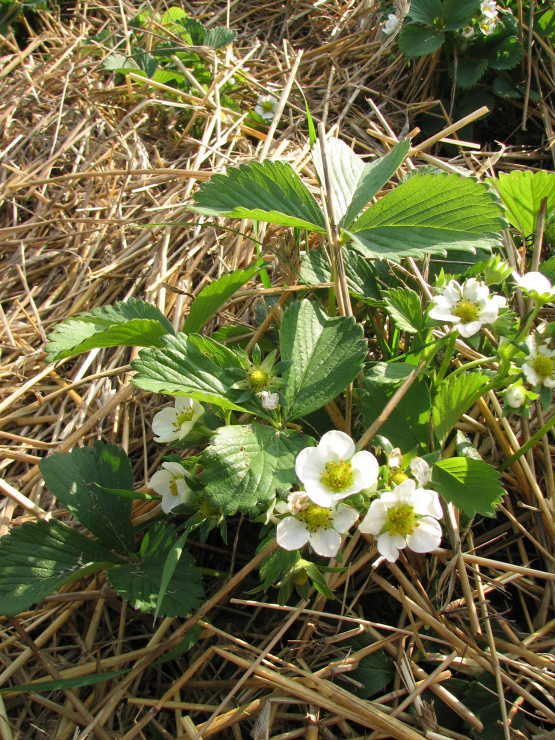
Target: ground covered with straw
{"type": "Point", "coordinates": [94, 171]}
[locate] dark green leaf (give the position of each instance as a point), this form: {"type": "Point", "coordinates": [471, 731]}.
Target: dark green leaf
{"type": "Point", "coordinates": [217, 38]}
{"type": "Point", "coordinates": [506, 53]}
{"type": "Point", "coordinates": [77, 480]}
{"type": "Point", "coordinates": [471, 485]}
{"type": "Point", "coordinates": [246, 465]}
{"type": "Point", "coordinates": [458, 13]}
{"type": "Point", "coordinates": [140, 582]}
{"type": "Point", "coordinates": [361, 280]}
{"type": "Point", "coordinates": [326, 354]}
{"type": "Point", "coordinates": [263, 191]}
{"type": "Point", "coordinates": [37, 558]}
{"type": "Point", "coordinates": [375, 672]}
{"type": "Point", "coordinates": [407, 425]}
{"type": "Point", "coordinates": [505, 88]}
{"type": "Point", "coordinates": [130, 324]}
{"type": "Point", "coordinates": [192, 30]}
{"type": "Point", "coordinates": [213, 296]}
{"type": "Point", "coordinates": [385, 373]}
{"type": "Point", "coordinates": [425, 11]}
{"type": "Point", "coordinates": [454, 397]}
{"type": "Point", "coordinates": [468, 71]}
{"type": "Point", "coordinates": [416, 40]}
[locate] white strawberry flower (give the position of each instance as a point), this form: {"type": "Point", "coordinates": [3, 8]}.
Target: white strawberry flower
{"type": "Point", "coordinates": [536, 285]}
{"type": "Point", "coordinates": [332, 471]}
{"type": "Point", "coordinates": [489, 8]}
{"type": "Point", "coordinates": [540, 367]}
{"type": "Point", "coordinates": [391, 24]}
{"type": "Point", "coordinates": [321, 526]}
{"type": "Point", "coordinates": [170, 483]}
{"type": "Point", "coordinates": [176, 422]}
{"type": "Point", "coordinates": [404, 517]}
{"type": "Point", "coordinates": [488, 25]}
{"type": "Point", "coordinates": [467, 306]}
{"type": "Point", "coordinates": [266, 107]}
{"type": "Point", "coordinates": [467, 32]}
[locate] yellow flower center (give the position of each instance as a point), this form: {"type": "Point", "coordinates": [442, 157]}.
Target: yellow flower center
{"type": "Point", "coordinates": [173, 486]}
{"type": "Point", "coordinates": [542, 366]}
{"type": "Point", "coordinates": [268, 106]}
{"type": "Point", "coordinates": [259, 379]}
{"type": "Point", "coordinates": [466, 311]}
{"type": "Point", "coordinates": [401, 520]}
{"type": "Point", "coordinates": [338, 475]}
{"type": "Point", "coordinates": [183, 417]}
{"type": "Point", "coordinates": [315, 517]}
{"type": "Point", "coordinates": [398, 477]}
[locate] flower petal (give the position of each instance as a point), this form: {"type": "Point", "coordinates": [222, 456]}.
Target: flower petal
{"type": "Point", "coordinates": [164, 425]}
{"type": "Point", "coordinates": [389, 546]}
{"type": "Point", "coordinates": [291, 533]}
{"type": "Point", "coordinates": [325, 542]}
{"type": "Point", "coordinates": [530, 374]}
{"type": "Point", "coordinates": [310, 464]}
{"type": "Point", "coordinates": [375, 518]}
{"type": "Point", "coordinates": [468, 330]}
{"type": "Point", "coordinates": [344, 517]}
{"type": "Point", "coordinates": [322, 496]}
{"type": "Point", "coordinates": [365, 470]}
{"type": "Point", "coordinates": [426, 503]}
{"type": "Point", "coordinates": [426, 537]}
{"type": "Point", "coordinates": [336, 446]}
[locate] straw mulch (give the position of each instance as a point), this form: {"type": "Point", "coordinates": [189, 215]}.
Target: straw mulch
{"type": "Point", "coordinates": [85, 165]}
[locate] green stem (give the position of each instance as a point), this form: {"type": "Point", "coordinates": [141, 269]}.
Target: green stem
{"type": "Point", "coordinates": [470, 365]}
{"type": "Point", "coordinates": [526, 331]}
{"type": "Point", "coordinates": [528, 445]}
{"type": "Point", "coordinates": [447, 359]}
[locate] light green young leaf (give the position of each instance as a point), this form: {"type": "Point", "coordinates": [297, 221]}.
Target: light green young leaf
{"type": "Point", "coordinates": [262, 191]}
{"type": "Point", "coordinates": [37, 558]}
{"type": "Point", "coordinates": [423, 216]}
{"type": "Point", "coordinates": [245, 465]}
{"type": "Point", "coordinates": [180, 368]}
{"type": "Point", "coordinates": [407, 425]}
{"type": "Point", "coordinates": [326, 353]}
{"type": "Point", "coordinates": [77, 480]}
{"type": "Point", "coordinates": [455, 396]}
{"type": "Point", "coordinates": [405, 307]}
{"type": "Point", "coordinates": [213, 296]}
{"type": "Point", "coordinates": [132, 323]}
{"type": "Point", "coordinates": [140, 582]}
{"type": "Point", "coordinates": [522, 192]}
{"type": "Point", "coordinates": [471, 485]}
{"type": "Point", "coordinates": [354, 183]}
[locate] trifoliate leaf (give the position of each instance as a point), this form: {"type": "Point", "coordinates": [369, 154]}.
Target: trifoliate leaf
{"type": "Point", "coordinates": [425, 11]}
{"type": "Point", "coordinates": [458, 13]}
{"type": "Point", "coordinates": [246, 465]}
{"type": "Point", "coordinates": [132, 323]}
{"type": "Point", "coordinates": [139, 582]}
{"type": "Point", "coordinates": [416, 40]}
{"type": "Point", "coordinates": [522, 192]}
{"type": "Point", "coordinates": [77, 480]}
{"type": "Point", "coordinates": [37, 558]}
{"type": "Point", "coordinates": [471, 485]}
{"type": "Point", "coordinates": [268, 191]}
{"type": "Point", "coordinates": [326, 353]}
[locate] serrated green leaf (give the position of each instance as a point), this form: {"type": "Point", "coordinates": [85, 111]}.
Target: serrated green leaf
{"type": "Point", "coordinates": [505, 54]}
{"type": "Point", "coordinates": [119, 63]}
{"type": "Point", "coordinates": [425, 11]}
{"type": "Point", "coordinates": [213, 296]}
{"type": "Point", "coordinates": [375, 672]}
{"type": "Point", "coordinates": [361, 279]}
{"type": "Point", "coordinates": [78, 479]}
{"type": "Point", "coordinates": [263, 191]}
{"type": "Point", "coordinates": [180, 368]}
{"type": "Point", "coordinates": [407, 425]}
{"type": "Point", "coordinates": [246, 465]}
{"type": "Point", "coordinates": [133, 323]}
{"type": "Point", "coordinates": [192, 30]}
{"type": "Point", "coordinates": [505, 88]}
{"type": "Point", "coordinates": [415, 40]}
{"type": "Point", "coordinates": [139, 582]}
{"type": "Point", "coordinates": [423, 216]}
{"type": "Point", "coordinates": [468, 71]}
{"type": "Point", "coordinates": [454, 397]}
{"type": "Point", "coordinates": [522, 192]}
{"type": "Point", "coordinates": [354, 183]}
{"type": "Point", "coordinates": [458, 13]}
{"type": "Point", "coordinates": [471, 485]}
{"type": "Point", "coordinates": [38, 557]}
{"type": "Point", "coordinates": [387, 373]}
{"type": "Point", "coordinates": [275, 565]}
{"type": "Point", "coordinates": [165, 76]}
{"type": "Point", "coordinates": [326, 353]}
{"type": "Point", "coordinates": [405, 308]}
{"type": "Point", "coordinates": [217, 38]}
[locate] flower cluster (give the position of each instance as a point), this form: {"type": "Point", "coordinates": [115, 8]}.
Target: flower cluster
{"type": "Point", "coordinates": [486, 22]}
{"type": "Point", "coordinates": [407, 516]}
